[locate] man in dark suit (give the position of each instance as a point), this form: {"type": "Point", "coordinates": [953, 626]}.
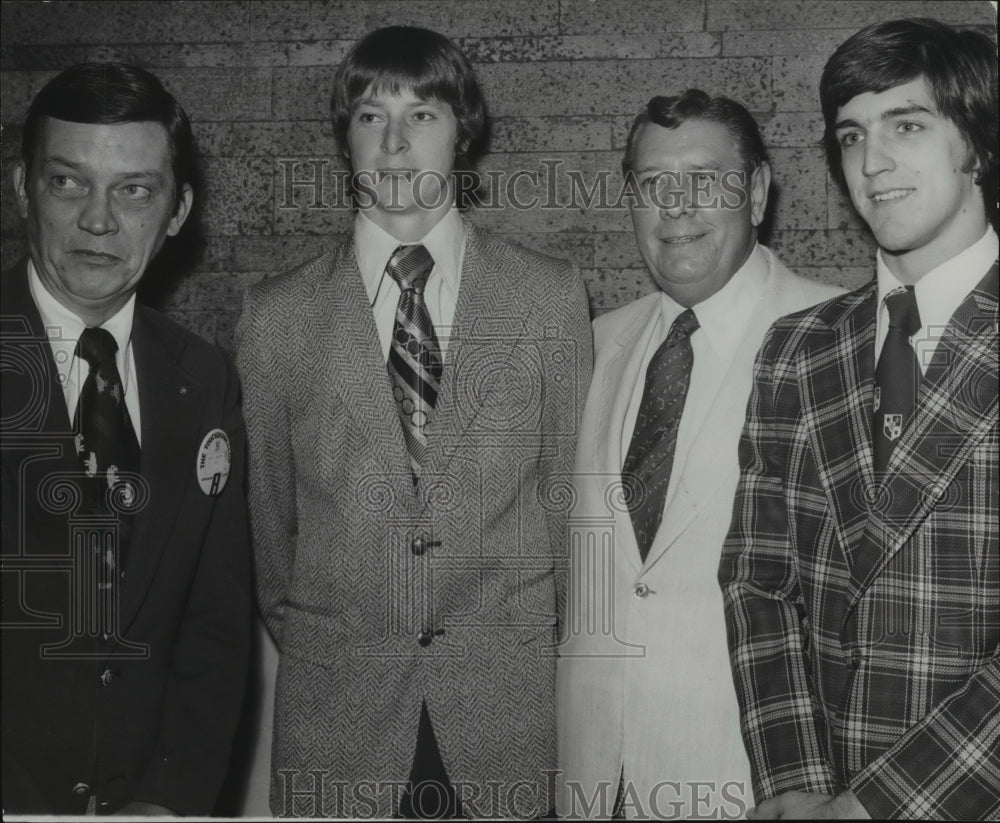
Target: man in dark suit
{"type": "Point", "coordinates": [412, 400]}
{"type": "Point", "coordinates": [125, 562]}
{"type": "Point", "coordinates": [861, 573]}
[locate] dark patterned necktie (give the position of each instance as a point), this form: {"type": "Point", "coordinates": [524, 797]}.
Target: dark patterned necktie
{"type": "Point", "coordinates": [897, 376]}
{"type": "Point", "coordinates": [106, 441]}
{"type": "Point", "coordinates": [415, 364]}
{"type": "Point", "coordinates": [646, 473]}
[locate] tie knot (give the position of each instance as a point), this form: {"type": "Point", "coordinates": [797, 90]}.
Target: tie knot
{"type": "Point", "coordinates": [903, 312]}
{"type": "Point", "coordinates": [96, 346]}
{"type": "Point", "coordinates": [686, 323]}
{"type": "Point", "coordinates": [409, 266]}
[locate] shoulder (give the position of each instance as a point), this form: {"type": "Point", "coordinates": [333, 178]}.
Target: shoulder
{"type": "Point", "coordinates": [516, 261]}
{"type": "Point", "coordinates": [200, 358]}
{"type": "Point", "coordinates": [813, 325]}
{"type": "Point", "coordinates": [290, 289]}
{"type": "Point", "coordinates": [609, 325]}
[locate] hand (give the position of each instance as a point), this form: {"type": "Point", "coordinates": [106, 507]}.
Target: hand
{"type": "Point", "coordinates": [810, 806]}
{"type": "Point", "coordinates": [140, 808]}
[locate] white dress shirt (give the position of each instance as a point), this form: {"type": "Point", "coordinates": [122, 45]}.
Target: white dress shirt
{"type": "Point", "coordinates": [722, 319]}
{"type": "Point", "coordinates": [446, 244]}
{"type": "Point", "coordinates": [939, 293]}
{"type": "Point", "coordinates": [63, 329]}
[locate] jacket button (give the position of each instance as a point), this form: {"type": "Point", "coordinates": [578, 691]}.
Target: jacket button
{"type": "Point", "coordinates": [424, 637]}
{"type": "Point", "coordinates": [855, 660]}
{"type": "Point", "coordinates": [80, 789]}
{"type": "Point", "coordinates": [641, 590]}
{"type": "Point", "coordinates": [107, 677]}
{"type": "Point", "coordinates": [418, 545]}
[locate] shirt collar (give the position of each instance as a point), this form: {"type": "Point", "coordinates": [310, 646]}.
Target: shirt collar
{"type": "Point", "coordinates": [63, 328]}
{"type": "Point", "coordinates": [374, 245]}
{"type": "Point", "coordinates": [940, 292]}
{"type": "Point", "coordinates": [723, 316]}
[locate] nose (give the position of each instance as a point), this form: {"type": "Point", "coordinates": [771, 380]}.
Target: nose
{"type": "Point", "coordinates": [675, 204]}
{"type": "Point", "coordinates": [97, 216]}
{"type": "Point", "coordinates": [394, 138]}
{"type": "Point", "coordinates": [877, 158]}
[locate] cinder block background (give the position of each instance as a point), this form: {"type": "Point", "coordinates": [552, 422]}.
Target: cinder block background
{"type": "Point", "coordinates": [563, 79]}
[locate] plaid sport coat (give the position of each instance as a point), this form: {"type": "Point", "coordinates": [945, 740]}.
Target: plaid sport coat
{"type": "Point", "coordinates": [864, 619]}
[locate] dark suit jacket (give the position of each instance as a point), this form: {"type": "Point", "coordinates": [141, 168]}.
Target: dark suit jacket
{"type": "Point", "coordinates": [354, 563]}
{"type": "Point", "coordinates": [154, 713]}
{"type": "Point", "coordinates": [864, 619]}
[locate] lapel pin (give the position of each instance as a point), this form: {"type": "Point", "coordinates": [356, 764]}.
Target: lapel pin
{"type": "Point", "coordinates": [213, 463]}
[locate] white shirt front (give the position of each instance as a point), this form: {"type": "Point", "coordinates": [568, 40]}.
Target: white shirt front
{"type": "Point", "coordinates": [722, 320]}
{"type": "Point", "coordinates": [63, 329]}
{"type": "Point", "coordinates": [446, 244]}
{"type": "Point", "coordinates": [939, 293]}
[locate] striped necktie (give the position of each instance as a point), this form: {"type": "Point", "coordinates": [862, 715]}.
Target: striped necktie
{"type": "Point", "coordinates": [415, 364]}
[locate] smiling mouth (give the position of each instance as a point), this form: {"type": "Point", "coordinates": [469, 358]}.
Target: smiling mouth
{"type": "Point", "coordinates": [893, 194]}
{"type": "Point", "coordinates": [681, 240]}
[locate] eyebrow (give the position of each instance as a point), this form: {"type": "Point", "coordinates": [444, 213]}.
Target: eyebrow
{"type": "Point", "coordinates": [888, 114]}
{"type": "Point", "coordinates": [132, 175]}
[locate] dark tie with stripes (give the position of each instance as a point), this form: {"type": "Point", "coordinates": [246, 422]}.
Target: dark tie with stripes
{"type": "Point", "coordinates": [646, 473]}
{"type": "Point", "coordinates": [415, 364]}
{"type": "Point", "coordinates": [897, 376]}
{"type": "Point", "coordinates": [106, 441]}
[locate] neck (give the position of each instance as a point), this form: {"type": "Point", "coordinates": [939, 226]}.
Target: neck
{"type": "Point", "coordinates": [910, 266]}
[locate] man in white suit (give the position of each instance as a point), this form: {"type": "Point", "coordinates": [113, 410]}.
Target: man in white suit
{"type": "Point", "coordinates": [647, 712]}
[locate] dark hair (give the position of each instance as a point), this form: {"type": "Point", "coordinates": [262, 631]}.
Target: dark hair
{"type": "Point", "coordinates": [404, 57]}
{"type": "Point", "coordinates": [960, 67]}
{"type": "Point", "coordinates": [694, 104]}
{"type": "Point", "coordinates": [112, 94]}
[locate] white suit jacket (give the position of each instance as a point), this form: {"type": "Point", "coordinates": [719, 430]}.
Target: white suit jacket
{"type": "Point", "coordinates": [644, 676]}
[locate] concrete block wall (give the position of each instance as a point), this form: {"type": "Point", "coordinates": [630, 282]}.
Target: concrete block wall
{"type": "Point", "coordinates": [563, 79]}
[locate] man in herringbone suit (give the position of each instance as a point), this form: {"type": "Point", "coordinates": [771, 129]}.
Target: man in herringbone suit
{"type": "Point", "coordinates": [861, 573]}
{"type": "Point", "coordinates": [409, 434]}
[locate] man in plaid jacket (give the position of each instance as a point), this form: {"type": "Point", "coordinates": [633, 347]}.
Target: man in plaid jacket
{"type": "Point", "coordinates": [863, 600]}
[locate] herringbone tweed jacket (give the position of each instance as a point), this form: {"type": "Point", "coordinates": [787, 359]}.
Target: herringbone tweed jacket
{"type": "Point", "coordinates": [864, 620]}
{"type": "Point", "coordinates": [381, 595]}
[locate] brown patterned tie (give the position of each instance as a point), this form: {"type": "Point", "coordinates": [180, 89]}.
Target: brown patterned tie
{"type": "Point", "coordinates": [646, 473]}
{"type": "Point", "coordinates": [415, 364]}
{"type": "Point", "coordinates": [897, 376]}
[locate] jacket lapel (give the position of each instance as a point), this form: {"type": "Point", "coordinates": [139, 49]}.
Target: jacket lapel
{"type": "Point", "coordinates": [699, 479]}
{"type": "Point", "coordinates": [836, 378]}
{"type": "Point", "coordinates": [956, 408]}
{"type": "Point", "coordinates": [484, 336]}
{"type": "Point", "coordinates": [353, 365]}
{"type": "Point", "coordinates": [171, 404]}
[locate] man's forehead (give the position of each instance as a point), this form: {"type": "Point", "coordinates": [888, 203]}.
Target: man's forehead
{"type": "Point", "coordinates": [912, 96]}
{"type": "Point", "coordinates": [139, 143]}
{"type": "Point", "coordinates": [694, 143]}
{"type": "Point", "coordinates": [385, 92]}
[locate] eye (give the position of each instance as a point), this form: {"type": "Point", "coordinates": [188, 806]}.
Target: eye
{"type": "Point", "coordinates": [849, 138]}
{"type": "Point", "coordinates": [909, 127]}
{"type": "Point", "coordinates": [367, 117]}
{"type": "Point", "coordinates": [65, 183]}
{"type": "Point", "coordinates": [424, 116]}
{"type": "Point", "coordinates": [133, 191]}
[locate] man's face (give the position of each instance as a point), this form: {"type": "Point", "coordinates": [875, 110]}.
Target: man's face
{"type": "Point", "coordinates": [402, 150]}
{"type": "Point", "coordinates": [99, 201]}
{"type": "Point", "coordinates": [908, 174]}
{"type": "Point", "coordinates": [697, 226]}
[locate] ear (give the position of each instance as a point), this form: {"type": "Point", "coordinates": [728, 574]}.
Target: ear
{"type": "Point", "coordinates": [182, 211]}
{"type": "Point", "coordinates": [760, 185]}
{"type": "Point", "coordinates": [20, 188]}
